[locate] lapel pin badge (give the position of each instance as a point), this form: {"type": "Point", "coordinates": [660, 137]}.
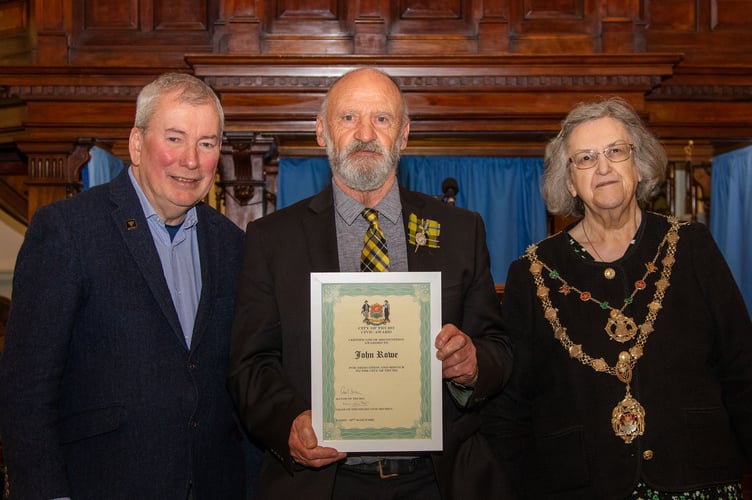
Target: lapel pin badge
{"type": "Point", "coordinates": [130, 224]}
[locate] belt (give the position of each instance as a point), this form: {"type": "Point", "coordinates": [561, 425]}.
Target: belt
{"type": "Point", "coordinates": [387, 468]}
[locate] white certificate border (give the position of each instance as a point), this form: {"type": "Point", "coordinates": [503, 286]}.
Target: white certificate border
{"type": "Point", "coordinates": [432, 441]}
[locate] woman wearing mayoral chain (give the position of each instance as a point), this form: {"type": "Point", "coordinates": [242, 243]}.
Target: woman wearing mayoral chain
{"type": "Point", "coordinates": [633, 361]}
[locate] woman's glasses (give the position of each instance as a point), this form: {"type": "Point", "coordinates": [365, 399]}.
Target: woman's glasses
{"type": "Point", "coordinates": [617, 152]}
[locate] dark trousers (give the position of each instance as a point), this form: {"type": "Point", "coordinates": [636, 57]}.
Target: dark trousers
{"type": "Point", "coordinates": [419, 484]}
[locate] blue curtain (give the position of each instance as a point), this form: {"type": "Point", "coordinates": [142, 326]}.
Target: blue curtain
{"type": "Point", "coordinates": [101, 168]}
{"type": "Point", "coordinates": [731, 214]}
{"type": "Point", "coordinates": [504, 191]}
{"type": "Point", "coordinates": [299, 178]}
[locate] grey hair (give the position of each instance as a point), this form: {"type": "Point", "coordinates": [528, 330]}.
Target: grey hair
{"type": "Point", "coordinates": [325, 103]}
{"type": "Point", "coordinates": [649, 156]}
{"type": "Point", "coordinates": [191, 91]}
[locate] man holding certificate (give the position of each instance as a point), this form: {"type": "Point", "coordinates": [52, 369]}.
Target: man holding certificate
{"type": "Point", "coordinates": [364, 221]}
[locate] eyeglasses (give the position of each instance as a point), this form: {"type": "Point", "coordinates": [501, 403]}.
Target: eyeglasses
{"type": "Point", "coordinates": [618, 152]}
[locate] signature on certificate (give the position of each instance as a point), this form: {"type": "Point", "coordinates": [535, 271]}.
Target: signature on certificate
{"type": "Point", "coordinates": [351, 398]}
{"type": "Point", "coordinates": [347, 391]}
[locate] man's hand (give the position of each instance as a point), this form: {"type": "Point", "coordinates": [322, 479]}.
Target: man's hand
{"type": "Point", "coordinates": [304, 447]}
{"type": "Point", "coordinates": [456, 351]}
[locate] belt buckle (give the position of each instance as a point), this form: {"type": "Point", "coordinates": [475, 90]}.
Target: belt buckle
{"type": "Point", "coordinates": [381, 472]}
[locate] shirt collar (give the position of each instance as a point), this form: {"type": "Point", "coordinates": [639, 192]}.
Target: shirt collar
{"type": "Point", "coordinates": [349, 209]}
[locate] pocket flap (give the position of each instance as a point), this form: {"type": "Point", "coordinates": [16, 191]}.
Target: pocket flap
{"type": "Point", "coordinates": [90, 423]}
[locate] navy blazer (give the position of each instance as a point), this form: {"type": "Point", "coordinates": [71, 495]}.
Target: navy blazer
{"type": "Point", "coordinates": [100, 396]}
{"type": "Point", "coordinates": [270, 365]}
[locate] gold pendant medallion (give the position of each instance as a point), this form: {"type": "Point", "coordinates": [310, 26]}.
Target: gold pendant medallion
{"type": "Point", "coordinates": [620, 328]}
{"type": "Point", "coordinates": [628, 419]}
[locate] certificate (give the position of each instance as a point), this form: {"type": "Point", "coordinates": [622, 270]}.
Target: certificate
{"type": "Point", "coordinates": [375, 380]}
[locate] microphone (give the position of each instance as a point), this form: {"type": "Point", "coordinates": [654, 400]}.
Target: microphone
{"type": "Point", "coordinates": [450, 189]}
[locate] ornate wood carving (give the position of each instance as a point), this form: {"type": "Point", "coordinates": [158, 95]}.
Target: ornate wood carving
{"type": "Point", "coordinates": [54, 175]}
{"type": "Point", "coordinates": [244, 193]}
{"type": "Point", "coordinates": [481, 76]}
{"type": "Point", "coordinates": [467, 95]}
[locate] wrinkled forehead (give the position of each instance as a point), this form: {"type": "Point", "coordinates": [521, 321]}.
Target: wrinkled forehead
{"type": "Point", "coordinates": [366, 90]}
{"type": "Point", "coordinates": [174, 112]}
{"type": "Point", "coordinates": [597, 133]}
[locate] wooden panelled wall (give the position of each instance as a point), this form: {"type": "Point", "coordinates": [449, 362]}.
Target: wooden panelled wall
{"type": "Point", "coordinates": [482, 77]}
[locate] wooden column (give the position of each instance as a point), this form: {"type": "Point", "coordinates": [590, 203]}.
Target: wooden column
{"type": "Point", "coordinates": [53, 19]}
{"type": "Point", "coordinates": [493, 28]}
{"type": "Point", "coordinates": [370, 28]}
{"type": "Point", "coordinates": [243, 191]}
{"type": "Point", "coordinates": [238, 28]}
{"type": "Point", "coordinates": [54, 174]}
{"type": "Point", "coordinates": [622, 28]}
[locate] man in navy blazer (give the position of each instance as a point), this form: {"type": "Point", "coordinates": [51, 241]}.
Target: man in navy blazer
{"type": "Point", "coordinates": [364, 125]}
{"type": "Point", "coordinates": [112, 383]}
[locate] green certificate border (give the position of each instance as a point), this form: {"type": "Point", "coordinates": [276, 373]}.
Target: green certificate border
{"type": "Point", "coordinates": [327, 292]}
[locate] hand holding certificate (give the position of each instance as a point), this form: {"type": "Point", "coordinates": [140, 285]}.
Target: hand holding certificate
{"type": "Point", "coordinates": [376, 383]}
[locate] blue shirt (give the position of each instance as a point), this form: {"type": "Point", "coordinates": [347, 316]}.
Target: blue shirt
{"type": "Point", "coordinates": [180, 261]}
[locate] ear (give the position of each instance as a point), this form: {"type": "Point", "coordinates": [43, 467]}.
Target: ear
{"type": "Point", "coordinates": [405, 134]}
{"type": "Point", "coordinates": [320, 132]}
{"type": "Point", "coordinates": [135, 141]}
{"type": "Point", "coordinates": [570, 188]}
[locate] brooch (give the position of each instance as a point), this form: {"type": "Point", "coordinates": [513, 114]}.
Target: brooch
{"type": "Point", "coordinates": [423, 232]}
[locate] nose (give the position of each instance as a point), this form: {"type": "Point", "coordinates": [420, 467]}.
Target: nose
{"type": "Point", "coordinates": [365, 131]}
{"type": "Point", "coordinates": [190, 157]}
{"type": "Point", "coordinates": [602, 164]}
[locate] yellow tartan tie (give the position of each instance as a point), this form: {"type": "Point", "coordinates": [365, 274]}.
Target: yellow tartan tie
{"type": "Point", "coordinates": [374, 256]}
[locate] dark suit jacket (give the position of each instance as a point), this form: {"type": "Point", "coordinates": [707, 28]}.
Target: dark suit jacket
{"type": "Point", "coordinates": [100, 397]}
{"type": "Point", "coordinates": [270, 362]}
